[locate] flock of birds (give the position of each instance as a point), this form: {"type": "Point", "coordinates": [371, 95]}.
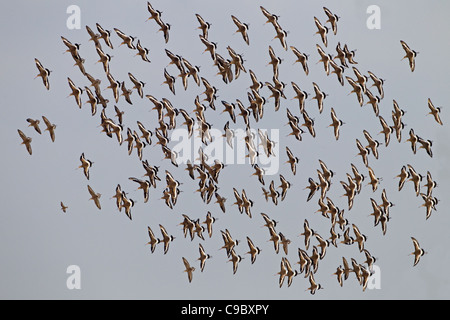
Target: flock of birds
{"type": "Point", "coordinates": [342, 232]}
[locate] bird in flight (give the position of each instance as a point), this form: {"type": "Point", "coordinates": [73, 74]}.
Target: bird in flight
{"type": "Point", "coordinates": [418, 251]}
{"type": "Point", "coordinates": [189, 270]}
{"type": "Point", "coordinates": [50, 128]}
{"type": "Point", "coordinates": [44, 73]}
{"type": "Point", "coordinates": [410, 55]}
{"type": "Point", "coordinates": [26, 141]}
{"type": "Point", "coordinates": [86, 164]}
{"type": "Point", "coordinates": [95, 197]}
{"type": "Point", "coordinates": [64, 207]}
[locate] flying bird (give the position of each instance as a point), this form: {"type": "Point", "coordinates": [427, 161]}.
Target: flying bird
{"type": "Point", "coordinates": [44, 73]}
{"type": "Point", "coordinates": [336, 124]}
{"type": "Point", "coordinates": [144, 185]}
{"type": "Point", "coordinates": [269, 223]}
{"type": "Point", "coordinates": [387, 130]}
{"type": "Point", "coordinates": [314, 286]}
{"type": "Point", "coordinates": [35, 124]}
{"type": "Point", "coordinates": [322, 31]}
{"type": "Point", "coordinates": [410, 55]}
{"type": "Point", "coordinates": [349, 54]}
{"type": "Point", "coordinates": [154, 14]}
{"type": "Point", "coordinates": [127, 204]}
{"type": "Point", "coordinates": [142, 52]}
{"type": "Point", "coordinates": [281, 35]}
{"type": "Point", "coordinates": [210, 47]}
{"type": "Point", "coordinates": [357, 89]}
{"type": "Point", "coordinates": [153, 239]}
{"type": "Point", "coordinates": [363, 152]}
{"type": "Point", "coordinates": [126, 39]}
{"type": "Point", "coordinates": [338, 71]}
{"type": "Point", "coordinates": [64, 207]}
{"type": "Point", "coordinates": [242, 28]}
{"type": "Point", "coordinates": [235, 259]}
{"type": "Point", "coordinates": [253, 250]}
{"type": "Point", "coordinates": [204, 25]}
{"type": "Point", "coordinates": [426, 145]}
{"type": "Point", "coordinates": [166, 238]}
{"type": "Point", "coordinates": [418, 251]}
{"type": "Point", "coordinates": [359, 238]}
{"type": "Point", "coordinates": [290, 273]}
{"type": "Point", "coordinates": [372, 143]}
{"type": "Point", "coordinates": [403, 175]}
{"type": "Point", "coordinates": [104, 59]}
{"type": "Point", "coordinates": [203, 256]}
{"type": "Point", "coordinates": [307, 233]}
{"type": "Point", "coordinates": [416, 178]}
{"type": "Point", "coordinates": [86, 164]}
{"type": "Point", "coordinates": [302, 58]}
{"type": "Point", "coordinates": [378, 83]}
{"type": "Point", "coordinates": [374, 181]}
{"type": "Point", "coordinates": [313, 187]}
{"type": "Point", "coordinates": [71, 47]}
{"type": "Point", "coordinates": [94, 101]}
{"type": "Point", "coordinates": [209, 221]}
{"type": "Point", "coordinates": [192, 70]}
{"type": "Point", "coordinates": [271, 18]}
{"type": "Point", "coordinates": [170, 81]}
{"type": "Point", "coordinates": [95, 197]}
{"type": "Point", "coordinates": [320, 96]}
{"type": "Point", "coordinates": [105, 35]}
{"type": "Point", "coordinates": [76, 92]}
{"type": "Point", "coordinates": [94, 37]}
{"type": "Point", "coordinates": [325, 59]}
{"type": "Point", "coordinates": [189, 270]}
{"type": "Point", "coordinates": [292, 160]}
{"type": "Point", "coordinates": [25, 140]}
{"type": "Point", "coordinates": [50, 127]}
{"type": "Point", "coordinates": [339, 272]}
{"type": "Point", "coordinates": [165, 28]}
{"type": "Point", "coordinates": [300, 95]}
{"type": "Point", "coordinates": [434, 111]}
{"type": "Point", "coordinates": [332, 19]}
{"type": "Point", "coordinates": [341, 56]}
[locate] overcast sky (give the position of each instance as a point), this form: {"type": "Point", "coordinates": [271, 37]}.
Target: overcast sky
{"type": "Point", "coordinates": [38, 241]}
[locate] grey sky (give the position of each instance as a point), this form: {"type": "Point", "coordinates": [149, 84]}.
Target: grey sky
{"type": "Point", "coordinates": [38, 241]}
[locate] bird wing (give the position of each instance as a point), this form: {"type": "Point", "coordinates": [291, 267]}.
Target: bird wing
{"type": "Point", "coordinates": [97, 203]}
{"type": "Point", "coordinates": [22, 135]}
